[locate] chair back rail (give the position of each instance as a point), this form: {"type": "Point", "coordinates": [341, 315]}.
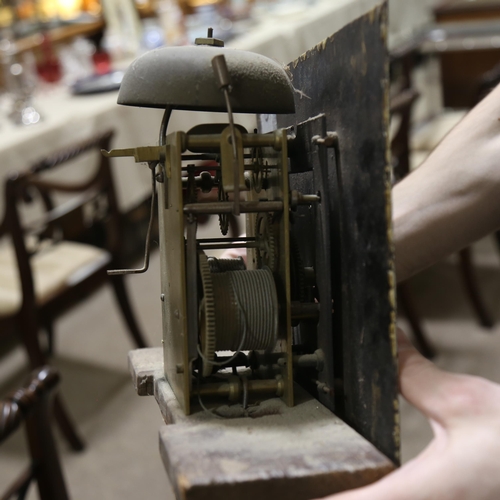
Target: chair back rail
{"type": "Point", "coordinates": [69, 216]}
{"type": "Point", "coordinates": [64, 221]}
{"type": "Point", "coordinates": [66, 271]}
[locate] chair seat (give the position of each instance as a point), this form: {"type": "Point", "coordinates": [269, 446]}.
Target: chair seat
{"type": "Point", "coordinates": [54, 268]}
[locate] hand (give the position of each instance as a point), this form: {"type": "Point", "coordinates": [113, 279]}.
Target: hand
{"type": "Point", "coordinates": [462, 462]}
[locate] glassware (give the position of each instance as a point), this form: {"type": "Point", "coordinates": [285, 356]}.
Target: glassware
{"type": "Point", "coordinates": [20, 82]}
{"type": "Point", "coordinates": [49, 67]}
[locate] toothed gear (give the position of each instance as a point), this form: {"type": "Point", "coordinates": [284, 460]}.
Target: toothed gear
{"type": "Point", "coordinates": [223, 218]}
{"type": "Point", "coordinates": [265, 236]}
{"type": "Point", "coordinates": [257, 173]}
{"type": "Point", "coordinates": [207, 316]}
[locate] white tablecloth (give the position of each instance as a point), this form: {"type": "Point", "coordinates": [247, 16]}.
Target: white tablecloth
{"type": "Point", "coordinates": [68, 119]}
{"type": "Point", "coordinates": [285, 36]}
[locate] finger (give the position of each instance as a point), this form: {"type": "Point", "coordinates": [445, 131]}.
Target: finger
{"type": "Point", "coordinates": [395, 486]}
{"type": "Point", "coordinates": [422, 383]}
{"type": "Point", "coordinates": [416, 480]}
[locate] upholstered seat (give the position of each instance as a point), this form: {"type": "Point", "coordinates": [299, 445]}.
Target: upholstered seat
{"type": "Point", "coordinates": [54, 268]}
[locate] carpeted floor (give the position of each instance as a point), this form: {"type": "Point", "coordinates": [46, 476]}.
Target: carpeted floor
{"type": "Point", "coordinates": [122, 461]}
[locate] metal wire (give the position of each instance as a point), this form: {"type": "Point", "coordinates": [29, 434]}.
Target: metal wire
{"type": "Point", "coordinates": [152, 166]}
{"type": "Point", "coordinates": [240, 347]}
{"type": "Point", "coordinates": [253, 292]}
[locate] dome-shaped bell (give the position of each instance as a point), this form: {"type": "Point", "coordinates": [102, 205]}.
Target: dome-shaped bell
{"type": "Point", "coordinates": [183, 78]}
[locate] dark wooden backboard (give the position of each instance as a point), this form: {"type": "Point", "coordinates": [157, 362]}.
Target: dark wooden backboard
{"type": "Point", "coordinates": [345, 79]}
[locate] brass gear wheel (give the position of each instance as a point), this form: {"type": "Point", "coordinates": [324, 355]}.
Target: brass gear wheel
{"type": "Point", "coordinates": [258, 171]}
{"type": "Point", "coordinates": [223, 218]}
{"type": "Point", "coordinates": [266, 239]}
{"type": "Point", "coordinates": [207, 316]}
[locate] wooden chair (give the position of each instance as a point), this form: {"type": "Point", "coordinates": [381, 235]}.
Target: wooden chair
{"type": "Point", "coordinates": [407, 154]}
{"type": "Point", "coordinates": [31, 405]}
{"type": "Point", "coordinates": [422, 144]}
{"type": "Point", "coordinates": [47, 265]}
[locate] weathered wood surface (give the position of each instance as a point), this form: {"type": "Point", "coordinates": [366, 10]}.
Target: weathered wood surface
{"type": "Point", "coordinates": [142, 364]}
{"type": "Point", "coordinates": [346, 79]}
{"type": "Point", "coordinates": [280, 452]}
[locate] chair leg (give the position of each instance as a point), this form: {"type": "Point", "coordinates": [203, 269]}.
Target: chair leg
{"type": "Point", "coordinates": [421, 342]}
{"type": "Point", "coordinates": [497, 239]}
{"type": "Point", "coordinates": [29, 332]}
{"type": "Point", "coordinates": [126, 309]}
{"type": "Point", "coordinates": [66, 425]}
{"type": "Point", "coordinates": [49, 330]}
{"type": "Point", "coordinates": [43, 450]}
{"type": "Point", "coordinates": [472, 288]}
{"type": "Point", "coordinates": [23, 491]}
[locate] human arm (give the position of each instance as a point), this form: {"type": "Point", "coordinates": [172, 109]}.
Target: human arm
{"type": "Point", "coordinates": [453, 198]}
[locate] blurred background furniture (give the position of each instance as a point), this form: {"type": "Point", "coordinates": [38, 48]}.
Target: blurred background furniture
{"type": "Point", "coordinates": [55, 260]}
{"type": "Point", "coordinates": [30, 405]}
{"type": "Point", "coordinates": [281, 30]}
{"type": "Point", "coordinates": [403, 97]}
{"type": "Point", "coordinates": [471, 30]}
{"type": "Point", "coordinates": [411, 144]}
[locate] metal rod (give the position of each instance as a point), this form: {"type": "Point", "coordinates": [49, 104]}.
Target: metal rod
{"type": "Point", "coordinates": [223, 78]}
{"type": "Point", "coordinates": [307, 199]}
{"type": "Point", "coordinates": [152, 166]}
{"type": "Point", "coordinates": [236, 166]}
{"type": "Point", "coordinates": [225, 207]}
{"type": "Point", "coordinates": [224, 389]}
{"type": "Point", "coordinates": [315, 360]}
{"type": "Point", "coordinates": [231, 124]}
{"type": "Point", "coordinates": [304, 310]}
{"type": "Point", "coordinates": [192, 286]}
{"type": "Point", "coordinates": [215, 157]}
{"type": "Point", "coordinates": [229, 361]}
{"type": "Point", "coordinates": [222, 246]}
{"type": "Point", "coordinates": [203, 141]}
{"type": "Point", "coordinates": [145, 266]}
{"type": "Point", "coordinates": [162, 141]}
{"type": "Point", "coordinates": [225, 240]}
{"type": "Point", "coordinates": [206, 157]}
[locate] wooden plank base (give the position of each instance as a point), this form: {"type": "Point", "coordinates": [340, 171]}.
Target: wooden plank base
{"type": "Point", "coordinates": [278, 452]}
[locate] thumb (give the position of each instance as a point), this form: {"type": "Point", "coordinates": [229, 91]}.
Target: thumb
{"type": "Point", "coordinates": [422, 383]}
